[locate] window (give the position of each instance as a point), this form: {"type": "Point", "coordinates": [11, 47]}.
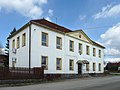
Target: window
{"type": "Point", "coordinates": [87, 50]}
{"type": "Point", "coordinates": [13, 43]}
{"type": "Point", "coordinates": [79, 35]}
{"type": "Point", "coordinates": [80, 48]}
{"type": "Point", "coordinates": [99, 66]}
{"type": "Point", "coordinates": [59, 43]}
{"type": "Point", "coordinates": [87, 67]}
{"type": "Point", "coordinates": [94, 52]}
{"type": "Point", "coordinates": [71, 64]}
{"type": "Point", "coordinates": [59, 64]}
{"type": "Point", "coordinates": [23, 39]}
{"type": "Point", "coordinates": [44, 62]}
{"type": "Point", "coordinates": [14, 62]}
{"type": "Point", "coordinates": [94, 67]}
{"type": "Point", "coordinates": [18, 42]}
{"type": "Point", "coordinates": [72, 46]}
{"type": "Point", "coordinates": [44, 39]}
{"type": "Point", "coordinates": [99, 53]}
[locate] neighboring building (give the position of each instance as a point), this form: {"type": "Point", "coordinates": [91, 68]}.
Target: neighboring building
{"type": "Point", "coordinates": [58, 49]}
{"type": "Point", "coordinates": [2, 51]}
{"type": "Point", "coordinates": [3, 57]}
{"type": "Point", "coordinates": [113, 66]}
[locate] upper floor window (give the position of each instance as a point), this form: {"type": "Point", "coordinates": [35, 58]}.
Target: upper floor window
{"type": "Point", "coordinates": [13, 43]}
{"type": "Point", "coordinates": [94, 67]}
{"type": "Point", "coordinates": [94, 52]}
{"type": "Point", "coordinates": [80, 36]}
{"type": "Point", "coordinates": [44, 62]}
{"type": "Point", "coordinates": [59, 43]}
{"type": "Point", "coordinates": [44, 39]}
{"type": "Point", "coordinates": [24, 39]}
{"type": "Point", "coordinates": [71, 45]}
{"type": "Point", "coordinates": [71, 64]}
{"type": "Point", "coordinates": [59, 64]}
{"type": "Point", "coordinates": [87, 50]}
{"type": "Point", "coordinates": [80, 48]}
{"type": "Point", "coordinates": [18, 42]}
{"type": "Point", "coordinates": [100, 53]}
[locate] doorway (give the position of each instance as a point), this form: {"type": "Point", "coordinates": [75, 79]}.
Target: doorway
{"type": "Point", "coordinates": [79, 68]}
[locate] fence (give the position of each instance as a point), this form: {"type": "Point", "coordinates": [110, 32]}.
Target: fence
{"type": "Point", "coordinates": [21, 73]}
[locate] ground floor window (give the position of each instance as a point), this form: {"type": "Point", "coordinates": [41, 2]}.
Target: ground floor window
{"type": "Point", "coordinates": [13, 64]}
{"type": "Point", "coordinates": [59, 64]}
{"type": "Point", "coordinates": [71, 64]}
{"type": "Point", "coordinates": [99, 66]}
{"type": "Point", "coordinates": [94, 67]}
{"type": "Point", "coordinates": [14, 59]}
{"type": "Point", "coordinates": [87, 67]}
{"type": "Point", "coordinates": [44, 62]}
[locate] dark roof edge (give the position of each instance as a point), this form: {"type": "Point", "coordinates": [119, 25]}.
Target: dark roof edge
{"type": "Point", "coordinates": [33, 21]}
{"type": "Point", "coordinates": [19, 30]}
{"type": "Point", "coordinates": [96, 44]}
{"type": "Point", "coordinates": [47, 27]}
{"type": "Point", "coordinates": [93, 42]}
{"type": "Point", "coordinates": [52, 23]}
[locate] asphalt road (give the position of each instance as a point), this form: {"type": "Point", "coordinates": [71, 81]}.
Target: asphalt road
{"type": "Point", "coordinates": [99, 83]}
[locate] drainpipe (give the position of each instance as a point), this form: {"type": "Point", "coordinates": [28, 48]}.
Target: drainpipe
{"type": "Point", "coordinates": [29, 46]}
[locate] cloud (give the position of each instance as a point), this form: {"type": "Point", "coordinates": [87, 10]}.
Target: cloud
{"type": "Point", "coordinates": [28, 8]}
{"type": "Point", "coordinates": [50, 12]}
{"type": "Point", "coordinates": [112, 60]}
{"type": "Point", "coordinates": [42, 1]}
{"type": "Point", "coordinates": [49, 15]}
{"type": "Point", "coordinates": [111, 39]}
{"type": "Point", "coordinates": [108, 11]}
{"type": "Point", "coordinates": [82, 17]}
{"type": "Point", "coordinates": [112, 51]}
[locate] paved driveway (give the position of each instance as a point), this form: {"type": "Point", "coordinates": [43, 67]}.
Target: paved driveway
{"type": "Point", "coordinates": [100, 83]}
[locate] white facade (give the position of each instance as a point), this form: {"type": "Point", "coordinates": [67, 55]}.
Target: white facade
{"type": "Point", "coordinates": [21, 57]}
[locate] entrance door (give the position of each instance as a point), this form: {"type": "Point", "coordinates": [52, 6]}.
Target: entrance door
{"type": "Point", "coordinates": [79, 68]}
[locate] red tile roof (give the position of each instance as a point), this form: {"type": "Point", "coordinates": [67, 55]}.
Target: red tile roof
{"type": "Point", "coordinates": [51, 25]}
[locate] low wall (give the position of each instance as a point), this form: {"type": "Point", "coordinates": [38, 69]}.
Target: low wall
{"type": "Point", "coordinates": [21, 73]}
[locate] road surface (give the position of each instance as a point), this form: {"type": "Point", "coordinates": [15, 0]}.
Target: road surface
{"type": "Point", "coordinates": [97, 83]}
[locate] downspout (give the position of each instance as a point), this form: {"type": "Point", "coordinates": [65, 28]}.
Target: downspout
{"type": "Point", "coordinates": [29, 46]}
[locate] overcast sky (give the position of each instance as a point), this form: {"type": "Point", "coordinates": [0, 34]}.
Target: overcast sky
{"type": "Point", "coordinates": [100, 19]}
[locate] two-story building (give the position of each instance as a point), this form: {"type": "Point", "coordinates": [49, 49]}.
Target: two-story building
{"type": "Point", "coordinates": [60, 50]}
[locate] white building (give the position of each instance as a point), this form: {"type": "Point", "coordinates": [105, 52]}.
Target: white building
{"type": "Point", "coordinates": [60, 50]}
